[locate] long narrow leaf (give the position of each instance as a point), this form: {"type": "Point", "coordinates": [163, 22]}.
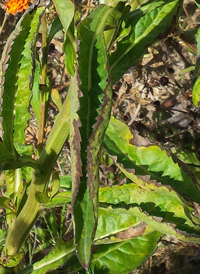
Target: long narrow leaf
{"type": "Point", "coordinates": [8, 74]}
{"type": "Point", "coordinates": [90, 114]}
{"type": "Point", "coordinates": [61, 252]}
{"type": "Point", "coordinates": [24, 86]}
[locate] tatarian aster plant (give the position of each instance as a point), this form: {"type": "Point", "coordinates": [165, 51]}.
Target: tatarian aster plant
{"type": "Point", "coordinates": [13, 6]}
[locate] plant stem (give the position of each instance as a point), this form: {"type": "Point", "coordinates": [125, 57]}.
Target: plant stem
{"type": "Point", "coordinates": [3, 23]}
{"type": "Point", "coordinates": [20, 228]}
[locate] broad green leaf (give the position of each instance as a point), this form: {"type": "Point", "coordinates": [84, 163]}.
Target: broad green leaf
{"type": "Point", "coordinates": [196, 92]}
{"type": "Point", "coordinates": [154, 198]}
{"type": "Point", "coordinates": [65, 10]}
{"type": "Point", "coordinates": [155, 222]}
{"type": "Point", "coordinates": [165, 227]}
{"type": "Point", "coordinates": [90, 112]}
{"type": "Point", "coordinates": [146, 25]}
{"type": "Point", "coordinates": [120, 258]}
{"type": "Point", "coordinates": [123, 257]}
{"type": "Point", "coordinates": [148, 159]}
{"type": "Point", "coordinates": [112, 221]}
{"type": "Point", "coordinates": [24, 86]}
{"type": "Point", "coordinates": [9, 66]}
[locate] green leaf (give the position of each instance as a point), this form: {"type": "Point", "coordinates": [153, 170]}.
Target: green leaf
{"type": "Point", "coordinates": [24, 86]}
{"type": "Point", "coordinates": [56, 26]}
{"type": "Point", "coordinates": [189, 157]}
{"type": "Point", "coordinates": [65, 182]}
{"type": "Point", "coordinates": [123, 257]}
{"type": "Point", "coordinates": [164, 227]}
{"type": "Point", "coordinates": [69, 48]}
{"type": "Point", "coordinates": [198, 3]}
{"type": "Point", "coordinates": [153, 198]}
{"type": "Point", "coordinates": [61, 252]}
{"type": "Point", "coordinates": [15, 260]}
{"type": "Point", "coordinates": [35, 101]}
{"type": "Point", "coordinates": [59, 199]}
{"type": "Point", "coordinates": [55, 185]}
{"type": "Point", "coordinates": [138, 3]}
{"type": "Point", "coordinates": [21, 161]}
{"type": "Point", "coordinates": [90, 112]}
{"type": "Point", "coordinates": [5, 270]}
{"type": "Point", "coordinates": [65, 10]}
{"type": "Point", "coordinates": [147, 23]}
{"type": "Point", "coordinates": [9, 66]}
{"type": "Point", "coordinates": [196, 92]}
{"type": "Point", "coordinates": [198, 42]}
{"type": "Point", "coordinates": [7, 204]}
{"type": "Point", "coordinates": [5, 154]}
{"type": "Point", "coordinates": [42, 198]}
{"type": "Point", "coordinates": [135, 152]}
{"type": "Point", "coordinates": [118, 257]}
{"type": "Point", "coordinates": [155, 222]}
{"type": "Point", "coordinates": [112, 221]}
{"type": "Point", "coordinates": [55, 96]}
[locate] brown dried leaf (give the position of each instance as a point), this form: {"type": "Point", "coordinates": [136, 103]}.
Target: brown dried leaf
{"type": "Point", "coordinates": [138, 140]}
{"type": "Point", "coordinates": [132, 232]}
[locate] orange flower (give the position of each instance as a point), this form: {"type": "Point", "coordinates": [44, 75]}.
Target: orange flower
{"type": "Point", "coordinates": [13, 6]}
